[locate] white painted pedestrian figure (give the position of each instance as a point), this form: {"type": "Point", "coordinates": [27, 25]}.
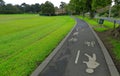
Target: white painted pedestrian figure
{"type": "Point", "coordinates": [91, 43]}
{"type": "Point", "coordinates": [73, 39]}
{"type": "Point", "coordinates": [91, 64]}
{"type": "Point", "coordinates": [75, 34]}
{"type": "Point", "coordinates": [77, 29]}
{"type": "Point", "coordinates": [88, 43]}
{"type": "Point", "coordinates": [83, 30]}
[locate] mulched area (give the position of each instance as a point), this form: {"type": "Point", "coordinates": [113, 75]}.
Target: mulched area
{"type": "Point", "coordinates": [104, 37]}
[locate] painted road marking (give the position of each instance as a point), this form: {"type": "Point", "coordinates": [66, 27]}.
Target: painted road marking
{"type": "Point", "coordinates": [73, 39]}
{"type": "Point", "coordinates": [91, 43]}
{"type": "Point", "coordinates": [83, 30]}
{"type": "Point", "coordinates": [75, 34]}
{"type": "Point", "coordinates": [91, 64]}
{"type": "Point", "coordinates": [77, 57]}
{"type": "Point", "coordinates": [77, 29]}
{"type": "Point", "coordinates": [87, 43]}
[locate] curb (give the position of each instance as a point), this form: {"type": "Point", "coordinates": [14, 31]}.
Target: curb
{"type": "Point", "coordinates": [111, 66]}
{"type": "Point", "coordinates": [41, 67]}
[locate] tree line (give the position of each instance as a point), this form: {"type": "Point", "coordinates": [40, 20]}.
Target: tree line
{"type": "Point", "coordinates": [46, 8]}
{"type": "Point", "coordinates": [16, 9]}
{"type": "Point", "coordinates": [84, 6]}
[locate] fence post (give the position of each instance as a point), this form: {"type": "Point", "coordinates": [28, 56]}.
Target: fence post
{"type": "Point", "coordinates": [114, 25]}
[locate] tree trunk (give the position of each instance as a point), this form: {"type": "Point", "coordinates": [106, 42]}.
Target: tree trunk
{"type": "Point", "coordinates": [92, 14]}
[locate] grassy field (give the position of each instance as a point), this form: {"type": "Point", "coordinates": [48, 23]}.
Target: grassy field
{"type": "Point", "coordinates": [26, 40]}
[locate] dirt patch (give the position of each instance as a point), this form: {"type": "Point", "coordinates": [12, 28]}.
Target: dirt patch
{"type": "Point", "coordinates": [104, 37]}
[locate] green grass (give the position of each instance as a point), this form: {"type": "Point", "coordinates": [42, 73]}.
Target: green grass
{"type": "Point", "coordinates": [116, 49]}
{"type": "Point", "coordinates": [26, 40]}
{"type": "Point", "coordinates": [94, 23]}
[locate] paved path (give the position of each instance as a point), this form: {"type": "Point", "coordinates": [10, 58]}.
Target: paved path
{"type": "Point", "coordinates": [80, 55]}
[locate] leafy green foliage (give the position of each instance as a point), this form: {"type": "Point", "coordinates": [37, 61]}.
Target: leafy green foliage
{"type": "Point", "coordinates": [117, 2]}
{"type": "Point", "coordinates": [26, 40]}
{"type": "Point", "coordinates": [94, 23]}
{"type": "Point", "coordinates": [2, 2]}
{"type": "Point", "coordinates": [47, 8]}
{"type": "Point", "coordinates": [88, 5]}
{"type": "Point", "coordinates": [116, 9]}
{"type": "Point", "coordinates": [116, 47]}
{"type": "Point", "coordinates": [16, 9]}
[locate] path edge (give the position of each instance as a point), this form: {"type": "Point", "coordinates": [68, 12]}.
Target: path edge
{"type": "Point", "coordinates": [41, 67]}
{"type": "Point", "coordinates": [111, 66]}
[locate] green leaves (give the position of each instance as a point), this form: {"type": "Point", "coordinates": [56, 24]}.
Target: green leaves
{"type": "Point", "coordinates": [88, 5]}
{"type": "Point", "coordinates": [47, 8]}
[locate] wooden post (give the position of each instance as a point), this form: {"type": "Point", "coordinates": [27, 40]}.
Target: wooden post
{"type": "Point", "coordinates": [114, 25]}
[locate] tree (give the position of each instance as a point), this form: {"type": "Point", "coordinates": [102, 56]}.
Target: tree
{"type": "Point", "coordinates": [26, 8]}
{"type": "Point", "coordinates": [10, 9]}
{"type": "Point", "coordinates": [89, 5]}
{"type": "Point", "coordinates": [2, 3]}
{"type": "Point", "coordinates": [23, 8]}
{"type": "Point", "coordinates": [116, 10]}
{"type": "Point", "coordinates": [47, 8]}
{"type": "Point", "coordinates": [117, 2]}
{"type": "Point", "coordinates": [75, 6]}
{"type": "Point", "coordinates": [62, 6]}
{"type": "Point", "coordinates": [93, 5]}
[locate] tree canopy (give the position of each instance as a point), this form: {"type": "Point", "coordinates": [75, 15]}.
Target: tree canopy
{"type": "Point", "coordinates": [15, 9]}
{"type": "Point", "coordinates": [47, 8]}
{"type": "Point", "coordinates": [88, 5]}
{"type": "Point", "coordinates": [2, 2]}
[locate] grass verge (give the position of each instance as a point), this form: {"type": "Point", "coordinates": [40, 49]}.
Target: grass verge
{"type": "Point", "coordinates": [116, 49]}
{"type": "Point", "coordinates": [94, 23]}
{"type": "Point", "coordinates": [26, 40]}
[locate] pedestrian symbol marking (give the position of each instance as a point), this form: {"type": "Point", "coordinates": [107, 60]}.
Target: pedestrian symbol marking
{"type": "Point", "coordinates": [75, 34]}
{"type": "Point", "coordinates": [91, 43]}
{"type": "Point", "coordinates": [92, 64]}
{"type": "Point", "coordinates": [73, 39]}
{"type": "Point", "coordinates": [77, 29]}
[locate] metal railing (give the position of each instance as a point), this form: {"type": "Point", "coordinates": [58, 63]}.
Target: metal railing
{"type": "Point", "coordinates": [109, 19]}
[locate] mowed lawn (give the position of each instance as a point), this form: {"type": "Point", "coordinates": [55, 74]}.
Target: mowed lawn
{"type": "Point", "coordinates": [26, 40]}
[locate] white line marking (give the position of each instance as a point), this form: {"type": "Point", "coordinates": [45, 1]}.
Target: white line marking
{"type": "Point", "coordinates": [77, 57]}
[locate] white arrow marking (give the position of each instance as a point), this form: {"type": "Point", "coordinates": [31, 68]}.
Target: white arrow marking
{"type": "Point", "coordinates": [77, 57]}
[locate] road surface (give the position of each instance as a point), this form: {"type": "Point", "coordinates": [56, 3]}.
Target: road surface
{"type": "Point", "coordinates": [80, 55]}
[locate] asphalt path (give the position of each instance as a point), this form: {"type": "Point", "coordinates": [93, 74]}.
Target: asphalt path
{"type": "Point", "coordinates": [80, 55]}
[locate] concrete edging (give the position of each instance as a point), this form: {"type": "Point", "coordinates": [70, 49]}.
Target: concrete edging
{"type": "Point", "coordinates": [40, 68]}
{"type": "Point", "coordinates": [111, 66]}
